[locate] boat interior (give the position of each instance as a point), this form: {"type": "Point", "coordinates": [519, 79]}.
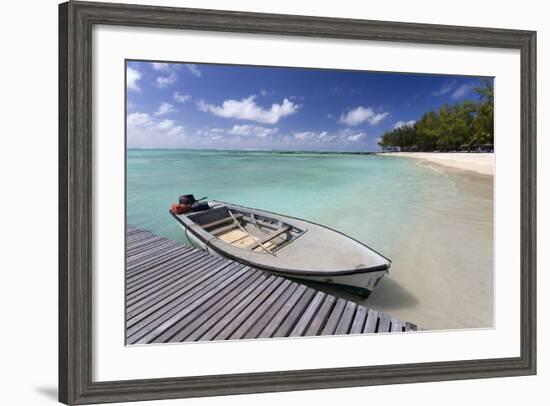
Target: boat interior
{"type": "Point", "coordinates": [246, 230]}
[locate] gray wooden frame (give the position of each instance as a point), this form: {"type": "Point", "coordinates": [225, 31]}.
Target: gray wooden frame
{"type": "Point", "coordinates": [76, 20]}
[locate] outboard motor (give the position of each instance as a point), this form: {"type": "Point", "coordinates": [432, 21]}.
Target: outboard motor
{"type": "Point", "coordinates": [187, 199]}
{"type": "Point", "coordinates": [188, 203]}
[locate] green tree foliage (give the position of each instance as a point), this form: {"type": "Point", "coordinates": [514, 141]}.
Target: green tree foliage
{"type": "Point", "coordinates": [452, 127]}
{"type": "Point", "coordinates": [483, 127]}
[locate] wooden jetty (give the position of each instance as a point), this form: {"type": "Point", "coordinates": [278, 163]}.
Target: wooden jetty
{"type": "Point", "coordinates": [176, 293]}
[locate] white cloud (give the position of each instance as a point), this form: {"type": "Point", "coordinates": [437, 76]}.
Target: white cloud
{"type": "Point", "coordinates": [400, 124]}
{"type": "Point", "coordinates": [143, 121]}
{"type": "Point", "coordinates": [361, 114]}
{"type": "Point", "coordinates": [242, 131]}
{"type": "Point", "coordinates": [445, 88]}
{"type": "Point", "coordinates": [165, 81]}
{"type": "Point", "coordinates": [326, 137]}
{"type": "Point", "coordinates": [165, 124]}
{"type": "Point", "coordinates": [346, 135]}
{"type": "Point", "coordinates": [253, 130]}
{"type": "Point", "coordinates": [182, 98]}
{"type": "Point", "coordinates": [176, 131]}
{"type": "Point", "coordinates": [212, 133]}
{"type": "Point", "coordinates": [162, 67]}
{"type": "Point", "coordinates": [164, 108]}
{"type": "Point", "coordinates": [247, 109]}
{"type": "Point", "coordinates": [355, 137]}
{"type": "Point", "coordinates": [352, 135]}
{"type": "Point", "coordinates": [314, 136]}
{"type": "Point", "coordinates": [132, 77]}
{"type": "Point", "coordinates": [146, 131]}
{"type": "Point", "coordinates": [308, 135]}
{"type": "Point", "coordinates": [264, 92]}
{"type": "Point", "coordinates": [461, 91]}
{"type": "Point", "coordinates": [194, 70]}
{"type": "Point", "coordinates": [139, 119]}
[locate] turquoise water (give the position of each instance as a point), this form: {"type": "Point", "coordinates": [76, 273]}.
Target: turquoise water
{"type": "Point", "coordinates": [354, 193]}
{"type": "Point", "coordinates": [436, 226]}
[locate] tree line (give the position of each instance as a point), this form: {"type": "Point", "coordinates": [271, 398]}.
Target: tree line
{"type": "Point", "coordinates": [464, 126]}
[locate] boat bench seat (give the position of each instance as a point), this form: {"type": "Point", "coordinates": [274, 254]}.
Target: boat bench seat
{"type": "Point", "coordinates": [269, 237]}
{"type": "Point", "coordinates": [220, 221]}
{"type": "Point", "coordinates": [222, 230]}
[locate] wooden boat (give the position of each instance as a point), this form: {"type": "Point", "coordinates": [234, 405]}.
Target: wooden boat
{"type": "Point", "coordinates": [284, 245]}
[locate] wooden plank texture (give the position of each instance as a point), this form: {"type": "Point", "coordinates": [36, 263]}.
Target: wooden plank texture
{"type": "Point", "coordinates": [176, 293]}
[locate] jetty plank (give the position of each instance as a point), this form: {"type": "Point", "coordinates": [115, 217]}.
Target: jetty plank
{"type": "Point", "coordinates": [157, 322]}
{"type": "Point", "coordinates": [172, 303]}
{"type": "Point", "coordinates": [175, 290]}
{"type": "Point", "coordinates": [141, 266]}
{"type": "Point", "coordinates": [321, 317]}
{"type": "Point", "coordinates": [146, 245]}
{"type": "Point", "coordinates": [227, 332]}
{"type": "Point", "coordinates": [232, 317]}
{"type": "Point", "coordinates": [176, 293]}
{"type": "Point", "coordinates": [396, 325]}
{"type": "Point", "coordinates": [184, 278]}
{"type": "Point", "coordinates": [287, 325]}
{"type": "Point", "coordinates": [260, 312]}
{"type": "Point", "coordinates": [163, 274]}
{"type": "Point", "coordinates": [307, 316]}
{"type": "Point", "coordinates": [150, 249]}
{"type": "Point", "coordinates": [258, 327]}
{"type": "Point", "coordinates": [384, 324]}
{"type": "Point", "coordinates": [344, 324]}
{"type": "Point", "coordinates": [215, 313]}
{"type": "Point", "coordinates": [277, 321]}
{"type": "Point", "coordinates": [207, 302]}
{"type": "Point", "coordinates": [359, 320]}
{"type": "Point", "coordinates": [156, 284]}
{"type": "Point", "coordinates": [334, 318]}
{"type": "Point", "coordinates": [151, 252]}
{"type": "Point", "coordinates": [372, 321]}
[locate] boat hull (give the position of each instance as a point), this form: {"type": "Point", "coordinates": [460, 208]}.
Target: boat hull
{"type": "Point", "coordinates": [198, 243]}
{"type": "Point", "coordinates": [361, 283]}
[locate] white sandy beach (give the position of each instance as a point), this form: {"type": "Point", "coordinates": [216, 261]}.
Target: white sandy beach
{"type": "Point", "coordinates": [482, 163]}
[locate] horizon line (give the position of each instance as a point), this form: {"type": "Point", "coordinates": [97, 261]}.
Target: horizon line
{"type": "Point", "coordinates": [256, 150]}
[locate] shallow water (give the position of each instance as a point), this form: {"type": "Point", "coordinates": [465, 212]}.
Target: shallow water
{"type": "Point", "coordinates": [435, 224]}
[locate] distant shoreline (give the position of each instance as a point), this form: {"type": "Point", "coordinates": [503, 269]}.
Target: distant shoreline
{"type": "Point", "coordinates": [272, 151]}
{"type": "Point", "coordinates": [477, 162]}
{"type": "Point", "coordinates": [482, 163]}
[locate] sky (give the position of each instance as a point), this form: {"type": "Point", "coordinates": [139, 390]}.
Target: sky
{"type": "Point", "coordinates": [209, 106]}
